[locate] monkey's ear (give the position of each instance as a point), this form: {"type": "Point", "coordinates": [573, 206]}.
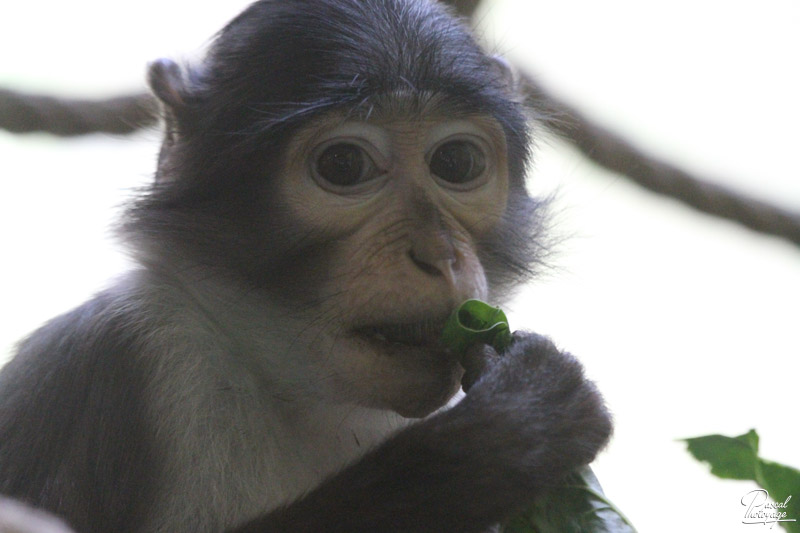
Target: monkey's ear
{"type": "Point", "coordinates": [508, 73]}
{"type": "Point", "coordinates": [167, 82]}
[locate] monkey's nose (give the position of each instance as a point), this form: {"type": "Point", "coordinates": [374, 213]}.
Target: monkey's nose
{"type": "Point", "coordinates": [436, 258]}
{"type": "Point", "coordinates": [439, 267]}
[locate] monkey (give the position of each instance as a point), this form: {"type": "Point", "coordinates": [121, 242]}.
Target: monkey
{"type": "Point", "coordinates": [335, 178]}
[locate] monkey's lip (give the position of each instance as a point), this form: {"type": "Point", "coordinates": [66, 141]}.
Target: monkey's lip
{"type": "Point", "coordinates": [425, 333]}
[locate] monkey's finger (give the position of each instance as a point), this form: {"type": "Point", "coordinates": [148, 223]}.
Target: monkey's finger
{"type": "Point", "coordinates": [477, 360]}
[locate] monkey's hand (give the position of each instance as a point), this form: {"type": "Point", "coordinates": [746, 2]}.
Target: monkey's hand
{"type": "Point", "coordinates": [528, 420]}
{"type": "Point", "coordinates": [541, 415]}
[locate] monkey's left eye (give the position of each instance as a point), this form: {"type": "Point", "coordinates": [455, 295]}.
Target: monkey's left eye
{"type": "Point", "coordinates": [458, 162]}
{"type": "Point", "coordinates": [345, 165]}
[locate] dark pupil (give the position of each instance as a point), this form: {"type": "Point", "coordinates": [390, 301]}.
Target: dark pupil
{"type": "Point", "coordinates": [341, 164]}
{"type": "Point", "coordinates": [457, 162]}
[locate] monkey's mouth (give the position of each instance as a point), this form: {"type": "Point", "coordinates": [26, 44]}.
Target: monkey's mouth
{"type": "Point", "coordinates": [425, 334]}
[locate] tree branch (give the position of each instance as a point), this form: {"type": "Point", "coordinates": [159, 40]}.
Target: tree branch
{"type": "Point", "coordinates": [26, 113]}
{"type": "Point", "coordinates": [613, 152]}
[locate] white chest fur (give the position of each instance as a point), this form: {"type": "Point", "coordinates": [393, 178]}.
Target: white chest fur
{"type": "Point", "coordinates": [235, 442]}
{"type": "Point", "coordinates": [241, 459]}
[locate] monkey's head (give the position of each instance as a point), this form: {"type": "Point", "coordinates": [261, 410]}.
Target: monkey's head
{"type": "Point", "coordinates": [359, 164]}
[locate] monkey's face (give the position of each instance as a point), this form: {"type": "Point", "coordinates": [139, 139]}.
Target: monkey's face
{"type": "Point", "coordinates": [401, 204]}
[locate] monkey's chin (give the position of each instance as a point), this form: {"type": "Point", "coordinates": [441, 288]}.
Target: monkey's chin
{"type": "Point", "coordinates": [411, 379]}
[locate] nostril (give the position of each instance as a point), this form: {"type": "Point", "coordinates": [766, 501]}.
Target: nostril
{"type": "Point", "coordinates": [422, 265]}
{"type": "Point", "coordinates": [443, 267]}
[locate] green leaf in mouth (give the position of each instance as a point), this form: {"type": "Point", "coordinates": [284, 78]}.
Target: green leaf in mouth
{"type": "Point", "coordinates": [475, 322]}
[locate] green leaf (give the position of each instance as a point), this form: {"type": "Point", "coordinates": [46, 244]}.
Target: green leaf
{"type": "Point", "coordinates": [579, 506]}
{"type": "Point", "coordinates": [729, 457]}
{"type": "Point", "coordinates": [737, 458]}
{"type": "Point", "coordinates": [780, 480]}
{"type": "Point", "coordinates": [783, 485]}
{"type": "Point", "coordinates": [476, 322]}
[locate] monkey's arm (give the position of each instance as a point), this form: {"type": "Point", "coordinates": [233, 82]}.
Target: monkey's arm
{"type": "Point", "coordinates": [532, 418]}
{"type": "Point", "coordinates": [73, 437]}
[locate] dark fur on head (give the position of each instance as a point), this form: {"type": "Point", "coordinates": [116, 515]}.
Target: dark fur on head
{"type": "Point", "coordinates": [279, 65]}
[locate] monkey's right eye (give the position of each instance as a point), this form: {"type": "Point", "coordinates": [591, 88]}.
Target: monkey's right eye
{"type": "Point", "coordinates": [345, 165]}
{"type": "Point", "coordinates": [458, 162]}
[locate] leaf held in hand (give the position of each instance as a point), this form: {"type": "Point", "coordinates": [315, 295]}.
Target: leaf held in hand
{"type": "Point", "coordinates": [578, 506]}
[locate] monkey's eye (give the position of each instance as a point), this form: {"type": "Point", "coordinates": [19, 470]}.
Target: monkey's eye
{"type": "Point", "coordinates": [345, 165]}
{"type": "Point", "coordinates": [458, 162]}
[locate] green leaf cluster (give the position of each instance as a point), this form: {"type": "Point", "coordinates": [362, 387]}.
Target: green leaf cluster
{"type": "Point", "coordinates": [737, 458]}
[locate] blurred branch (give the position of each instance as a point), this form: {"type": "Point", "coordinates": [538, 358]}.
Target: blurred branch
{"type": "Point", "coordinates": [26, 113]}
{"type": "Point", "coordinates": [617, 154]}
{"type": "Point", "coordinates": [23, 113]}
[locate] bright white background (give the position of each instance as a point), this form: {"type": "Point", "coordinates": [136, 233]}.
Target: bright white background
{"type": "Point", "coordinates": [688, 324]}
